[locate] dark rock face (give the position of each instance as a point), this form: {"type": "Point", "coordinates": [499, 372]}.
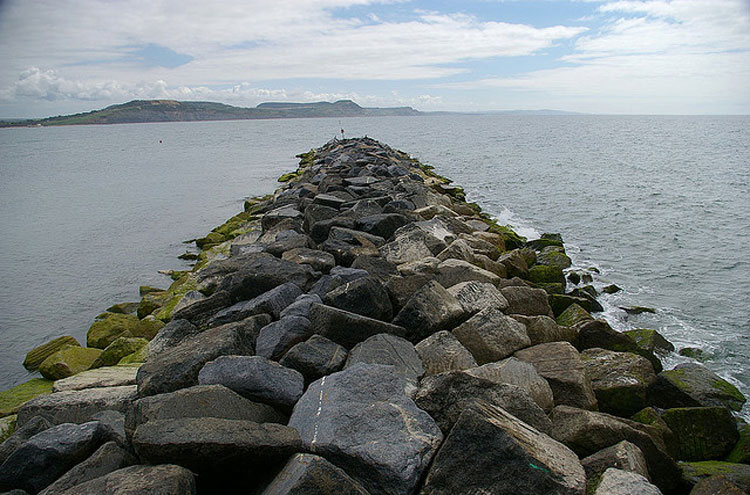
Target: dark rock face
{"type": "Point", "coordinates": [490, 451]}
{"type": "Point", "coordinates": [598, 333]}
{"type": "Point", "coordinates": [379, 268]}
{"type": "Point", "coordinates": [430, 309]}
{"type": "Point", "coordinates": [361, 420]}
{"type": "Point", "coordinates": [694, 385]}
{"type": "Point", "coordinates": [543, 329]}
{"type": "Point", "coordinates": [364, 296]}
{"type": "Point", "coordinates": [178, 368]}
{"type": "Point", "coordinates": [307, 474]}
{"type": "Point", "coordinates": [491, 336]}
{"type": "Point", "coordinates": [48, 455]}
{"type": "Point", "coordinates": [623, 455]}
{"type": "Point", "coordinates": [255, 378]}
{"type": "Point", "coordinates": [513, 371]}
{"type": "Point", "coordinates": [389, 350]}
{"type": "Point", "coordinates": [382, 225]}
{"type": "Point", "coordinates": [200, 312]}
{"type": "Point", "coordinates": [703, 433]}
{"type": "Point", "coordinates": [314, 358]}
{"type": "Point", "coordinates": [346, 328]}
{"type": "Point", "coordinates": [441, 352]}
{"type": "Point", "coordinates": [272, 302]}
{"type": "Point", "coordinates": [36, 424]}
{"type": "Point", "coordinates": [165, 479]}
{"type": "Point", "coordinates": [318, 260]}
{"type": "Point", "coordinates": [301, 306]}
{"type": "Point", "coordinates": [170, 335]}
{"type": "Point", "coordinates": [346, 244]}
{"type": "Point", "coordinates": [279, 336]}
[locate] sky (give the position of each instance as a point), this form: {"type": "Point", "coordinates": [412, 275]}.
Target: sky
{"type": "Point", "coordinates": [593, 56]}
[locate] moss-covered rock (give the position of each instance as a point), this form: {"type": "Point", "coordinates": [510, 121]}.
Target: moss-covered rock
{"type": "Point", "coordinates": [691, 385]}
{"type": "Point", "coordinates": [177, 290]}
{"type": "Point", "coordinates": [108, 327]}
{"type": "Point", "coordinates": [539, 244]}
{"type": "Point", "coordinates": [121, 347]}
{"type": "Point", "coordinates": [693, 472]}
{"type": "Point", "coordinates": [650, 340]}
{"type": "Point", "coordinates": [693, 352]}
{"type": "Point", "coordinates": [67, 362]}
{"type": "Point", "coordinates": [573, 314]}
{"type": "Point", "coordinates": [510, 238]}
{"type": "Point", "coordinates": [560, 302]}
{"type": "Point", "coordinates": [554, 256]}
{"type": "Point", "coordinates": [546, 274]}
{"type": "Point", "coordinates": [7, 427]}
{"type": "Point", "coordinates": [552, 288]}
{"type": "Point", "coordinates": [702, 433]}
{"type": "Point", "coordinates": [637, 310]}
{"type": "Point", "coordinates": [741, 450]}
{"type": "Point", "coordinates": [38, 354]}
{"type": "Point", "coordinates": [147, 328]}
{"type": "Point", "coordinates": [126, 308]}
{"type": "Point", "coordinates": [138, 357]}
{"type": "Point", "coordinates": [288, 176]}
{"type": "Point", "coordinates": [12, 399]}
{"type": "Point", "coordinates": [611, 289]}
{"type": "Point", "coordinates": [147, 289]}
{"type": "Point", "coordinates": [152, 301]}
{"type": "Point", "coordinates": [212, 239]}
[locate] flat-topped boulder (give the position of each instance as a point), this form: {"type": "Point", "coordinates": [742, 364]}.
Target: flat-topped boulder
{"type": "Point", "coordinates": [513, 371]}
{"type": "Point", "coordinates": [347, 328]}
{"type": "Point", "coordinates": [430, 309]}
{"type": "Point", "coordinates": [491, 336]}
{"type": "Point", "coordinates": [108, 376]}
{"type": "Point", "coordinates": [77, 406]}
{"type": "Point", "coordinates": [442, 352]}
{"type": "Point", "coordinates": [694, 385]}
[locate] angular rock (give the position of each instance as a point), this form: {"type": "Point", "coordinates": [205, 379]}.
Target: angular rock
{"type": "Point", "coordinates": [445, 396]}
{"type": "Point", "coordinates": [442, 352]}
{"type": "Point", "coordinates": [389, 350]}
{"type": "Point", "coordinates": [170, 335]}
{"type": "Point", "coordinates": [345, 328]}
{"type": "Point", "coordinates": [703, 433]}
{"type": "Point", "coordinates": [650, 340]}
{"type": "Point", "coordinates": [618, 482]}
{"type": "Point", "coordinates": [542, 329]}
{"type": "Point", "coordinates": [694, 385]}
{"type": "Point", "coordinates": [108, 327]}
{"type": "Point", "coordinates": [307, 474]}
{"type": "Point", "coordinates": [741, 450]}
{"type": "Point", "coordinates": [430, 309]}
{"type": "Point", "coordinates": [476, 296]}
{"type": "Point", "coordinates": [21, 435]}
{"type": "Point", "coordinates": [255, 378]}
{"type": "Point", "coordinates": [434, 234]}
{"type": "Point", "coordinates": [383, 224]}
{"type": "Point", "coordinates": [619, 380]}
{"type": "Point", "coordinates": [49, 454]}
{"type": "Point", "coordinates": [314, 358]}
{"type": "Point", "coordinates": [513, 371]}
{"type": "Point", "coordinates": [515, 263]}
{"type": "Point", "coordinates": [200, 312]}
{"type": "Point", "coordinates": [526, 301]}
{"type": "Point", "coordinates": [346, 244]}
{"type": "Point", "coordinates": [544, 274]}
{"type": "Point", "coordinates": [573, 315]}
{"type": "Point", "coordinates": [491, 336]}
{"type": "Point", "coordinates": [288, 240]}
{"type": "Point", "coordinates": [279, 336]}
{"type": "Point", "coordinates": [108, 376]}
{"type": "Point", "coordinates": [77, 406]}
{"type": "Point", "coordinates": [425, 266]}
{"type": "Point", "coordinates": [361, 420]}
{"type": "Point", "coordinates": [68, 361]}
{"type": "Point", "coordinates": [165, 479]}
{"type": "Point", "coordinates": [598, 333]}
{"type": "Point", "coordinates": [121, 347]}
{"type": "Point", "coordinates": [272, 302]}
{"type": "Point", "coordinates": [178, 368]}
{"type": "Point", "coordinates": [379, 268]}
{"type": "Point", "coordinates": [278, 215]}
{"type": "Point", "coordinates": [561, 302]}
{"type": "Point", "coordinates": [405, 249]}
{"type": "Point", "coordinates": [452, 272]}
{"type": "Point", "coordinates": [622, 455]}
{"type": "Point", "coordinates": [320, 261]}
{"type": "Point", "coordinates": [400, 289]}
{"type": "Point", "coordinates": [38, 354]}
{"type": "Point", "coordinates": [717, 484]}
{"type": "Point", "coordinates": [737, 474]}
{"type": "Point", "coordinates": [458, 249]}
{"type": "Point", "coordinates": [113, 423]}
{"type": "Point", "coordinates": [107, 458]}
{"type": "Point", "coordinates": [560, 364]}
{"type": "Point", "coordinates": [301, 306]}
{"type": "Point", "coordinates": [490, 451]}
{"type": "Point", "coordinates": [364, 296]}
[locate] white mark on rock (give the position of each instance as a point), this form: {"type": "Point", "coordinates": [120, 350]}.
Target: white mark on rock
{"type": "Point", "coordinates": [320, 409]}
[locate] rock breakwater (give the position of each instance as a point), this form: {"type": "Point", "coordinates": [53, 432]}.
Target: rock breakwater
{"type": "Point", "coordinates": [365, 329]}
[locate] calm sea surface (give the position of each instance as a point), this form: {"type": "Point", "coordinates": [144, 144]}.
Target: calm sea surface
{"type": "Point", "coordinates": [660, 205]}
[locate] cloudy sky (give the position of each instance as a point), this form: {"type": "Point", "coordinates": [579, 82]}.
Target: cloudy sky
{"type": "Point", "coordinates": [644, 57]}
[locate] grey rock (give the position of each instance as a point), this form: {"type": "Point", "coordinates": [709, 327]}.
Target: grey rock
{"type": "Point", "coordinates": [622, 455]}
{"type": "Point", "coordinates": [301, 305]}
{"type": "Point", "coordinates": [446, 395]}
{"type": "Point", "coordinates": [278, 215]}
{"type": "Point", "coordinates": [318, 260]}
{"type": "Point", "coordinates": [76, 406]}
{"type": "Point", "coordinates": [430, 309]}
{"type": "Point", "coordinates": [170, 336]}
{"type": "Point", "coordinates": [272, 302]}
{"type": "Point", "coordinates": [476, 296]}
{"type": "Point", "coordinates": [491, 336]}
{"type": "Point", "coordinates": [598, 333]}
{"type": "Point", "coordinates": [344, 275]}
{"type": "Point", "coordinates": [618, 482]}
{"type": "Point", "coordinates": [452, 272]}
{"type": "Point", "coordinates": [542, 329]}
{"type": "Point", "coordinates": [317, 213]}
{"type": "Point", "coordinates": [346, 328]}
{"type": "Point", "coordinates": [513, 371]}
{"type": "Point", "coordinates": [718, 484]}
{"type": "Point", "coordinates": [364, 296]}
{"type": "Point", "coordinates": [560, 364]}
{"type": "Point", "coordinates": [383, 224]}
{"type": "Point", "coordinates": [702, 433]}
{"type": "Point", "coordinates": [255, 378]}
{"type": "Point", "coordinates": [201, 311]}
{"type": "Point", "coordinates": [527, 301]}
{"type": "Point", "coordinates": [405, 249]}
{"type": "Point", "coordinates": [434, 234]}
{"type": "Point", "coordinates": [320, 230]}
{"type": "Point", "coordinates": [458, 249]}
{"type": "Point", "coordinates": [33, 426]}
{"type": "Point", "coordinates": [515, 263]}
{"type": "Point", "coordinates": [307, 474]}
{"type": "Point", "coordinates": [424, 266]}
{"type": "Point", "coordinates": [442, 352]}
{"type": "Point", "coordinates": [188, 298]}
{"type": "Point", "coordinates": [314, 358]}
{"type": "Point", "coordinates": [113, 423]}
{"type": "Point", "coordinates": [490, 451]}
{"type": "Point", "coordinates": [48, 455]}
{"type": "Point", "coordinates": [619, 380]}
{"type": "Point", "coordinates": [379, 268]}
{"type": "Point", "coordinates": [178, 368]}
{"type": "Point", "coordinates": [400, 289]}
{"type": "Point", "coordinates": [165, 479]}
{"type": "Point", "coordinates": [346, 244]}
{"type": "Point", "coordinates": [694, 385]}
{"type": "Point", "coordinates": [279, 336]}
{"type": "Point", "coordinates": [108, 376]}
{"type": "Point", "coordinates": [288, 240]}
{"type": "Point", "coordinates": [328, 200]}
{"type": "Point", "coordinates": [389, 350]}
{"type": "Point", "coordinates": [107, 458]}
{"type": "Point", "coordinates": [361, 420]}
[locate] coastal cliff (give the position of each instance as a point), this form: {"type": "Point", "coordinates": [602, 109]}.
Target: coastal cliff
{"type": "Point", "coordinates": [365, 329]}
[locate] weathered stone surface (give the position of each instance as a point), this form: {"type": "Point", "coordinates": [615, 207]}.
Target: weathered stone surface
{"type": "Point", "coordinates": [491, 336]}
{"type": "Point", "coordinates": [560, 364]}
{"type": "Point", "coordinates": [383, 224]}
{"type": "Point", "coordinates": [68, 361]}
{"type": "Point", "coordinates": [38, 354]}
{"type": "Point", "coordinates": [319, 260]}
{"type": "Point", "coordinates": [650, 340]}
{"type": "Point", "coordinates": [272, 302]}
{"type": "Point", "coordinates": [121, 347]}
{"type": "Point", "coordinates": [441, 352]}
{"type": "Point", "coordinates": [618, 482]}
{"type": "Point", "coordinates": [178, 368]}
{"type": "Point", "coordinates": [287, 240]}
{"type": "Point", "coordinates": [364, 296]}
{"type": "Point", "coordinates": [526, 301]}
{"type": "Point", "coordinates": [301, 306]}
{"type": "Point", "coordinates": [430, 309]}
{"type": "Point", "coordinates": [307, 474]}
{"type": "Point", "coordinates": [400, 289]}
{"type": "Point", "coordinates": [433, 233]}
{"type": "Point", "coordinates": [513, 371]}
{"type": "Point", "coordinates": [314, 358]}
{"type": "Point", "coordinates": [346, 328]}
{"type": "Point", "coordinates": [7, 427]}
{"type": "Point", "coordinates": [717, 484]}
{"type": "Point", "coordinates": [694, 385]}
{"type": "Point", "coordinates": [446, 395]}
{"type": "Point", "coordinates": [379, 268]}
{"type": "Point", "coordinates": [21, 435]}
{"type": "Point", "coordinates": [622, 455]}
{"type": "Point", "coordinates": [113, 423]}
{"type": "Point", "coordinates": [515, 263]}
{"type": "Point", "coordinates": [741, 450]}
{"type": "Point", "coordinates": [542, 329]}
{"type": "Point", "coordinates": [598, 333]}
{"type": "Point", "coordinates": [49, 454]}
{"type": "Point", "coordinates": [476, 296]}
{"type": "Point", "coordinates": [619, 380]}
{"type": "Point", "coordinates": [170, 335]}
{"type": "Point", "coordinates": [109, 376]}
{"type": "Point", "coordinates": [12, 399]}
{"type": "Point", "coordinates": [738, 474]}
{"type": "Point", "coordinates": [279, 336]}
{"type": "Point", "coordinates": [703, 433]}
{"type": "Point", "coordinates": [200, 312]}
{"type": "Point", "coordinates": [587, 432]}
{"type": "Point", "coordinates": [165, 479]}
{"type": "Point", "coordinates": [107, 458]}
{"type": "Point", "coordinates": [405, 249]}
{"type": "Point", "coordinates": [255, 378]}
{"type": "Point", "coordinates": [361, 420]}
{"type": "Point", "coordinates": [346, 244]}
{"type": "Point", "coordinates": [451, 272]}
{"type": "Point", "coordinates": [573, 315]}
{"type": "Point", "coordinates": [458, 249]}
{"type": "Point", "coordinates": [490, 451]}
{"type": "Point", "coordinates": [77, 406]}
{"type": "Point", "coordinates": [389, 350]}
{"type": "Point", "coordinates": [108, 327]}
{"type": "Point", "coordinates": [424, 266]}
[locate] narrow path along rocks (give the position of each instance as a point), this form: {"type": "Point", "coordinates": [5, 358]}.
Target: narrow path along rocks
{"type": "Point", "coordinates": [366, 330]}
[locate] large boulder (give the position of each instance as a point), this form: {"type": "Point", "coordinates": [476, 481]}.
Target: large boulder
{"type": "Point", "coordinates": [526, 301]}
{"type": "Point", "coordinates": [315, 357]}
{"type": "Point", "coordinates": [383, 224]}
{"type": "Point", "coordinates": [598, 333]}
{"type": "Point", "coordinates": [361, 420]}
{"type": "Point", "coordinates": [379, 268]}
{"type": "Point", "coordinates": [490, 451]}
{"type": "Point", "coordinates": [165, 479]}
{"type": "Point", "coordinates": [364, 296]}
{"type": "Point", "coordinates": [279, 336]}
{"type": "Point", "coordinates": [650, 340]}
{"type": "Point", "coordinates": [702, 433]}
{"type": "Point", "coordinates": [560, 364]}
{"type": "Point", "coordinates": [513, 371]}
{"type": "Point", "coordinates": [68, 361]}
{"type": "Point", "coordinates": [618, 482]}
{"type": "Point", "coordinates": [38, 354]}
{"type": "Point", "coordinates": [178, 368]}
{"type": "Point", "coordinates": [255, 378]}
{"type": "Point", "coordinates": [622, 455]}
{"type": "Point", "coordinates": [346, 328]}
{"type": "Point", "coordinates": [21, 435]}
{"type": "Point", "coordinates": [476, 296]}
{"type": "Point", "coordinates": [446, 395]}
{"type": "Point", "coordinates": [346, 244]}
{"type": "Point", "coordinates": [201, 311]}
{"type": "Point", "coordinates": [77, 406]}
{"type": "Point", "coordinates": [694, 385]}
{"type": "Point", "coordinates": [121, 347]}
{"type": "Point", "coordinates": [307, 474]}
{"type": "Point", "coordinates": [542, 329]}
{"type": "Point", "coordinates": [389, 350]}
{"type": "Point", "coordinates": [170, 335]}
{"type": "Point", "coordinates": [272, 302]}
{"type": "Point", "coordinates": [430, 309]}
{"type": "Point", "coordinates": [441, 352]}
{"type": "Point", "coordinates": [301, 306]}
{"type": "Point", "coordinates": [451, 272]}
{"type": "Point", "coordinates": [319, 260]}
{"type": "Point", "coordinates": [108, 327]}
{"type": "Point", "coordinates": [108, 376]}
{"type": "Point", "coordinates": [491, 336]}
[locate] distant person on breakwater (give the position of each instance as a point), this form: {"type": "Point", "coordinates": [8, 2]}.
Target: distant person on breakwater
{"type": "Point", "coordinates": [342, 133]}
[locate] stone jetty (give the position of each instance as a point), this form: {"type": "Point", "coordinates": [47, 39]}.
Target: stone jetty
{"type": "Point", "coordinates": [366, 330]}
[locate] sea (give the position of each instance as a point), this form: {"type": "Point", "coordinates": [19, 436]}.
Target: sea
{"type": "Point", "coordinates": [658, 205]}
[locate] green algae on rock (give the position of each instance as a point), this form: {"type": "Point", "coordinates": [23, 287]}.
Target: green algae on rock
{"type": "Point", "coordinates": [109, 327]}
{"type": "Point", "coordinates": [12, 399]}
{"type": "Point", "coordinates": [121, 347]}
{"type": "Point", "coordinates": [741, 450]}
{"type": "Point", "coordinates": [138, 357]}
{"type": "Point", "coordinates": [702, 433]}
{"type": "Point", "coordinates": [573, 314]}
{"type": "Point", "coordinates": [67, 362]}
{"type": "Point", "coordinates": [650, 340]}
{"type": "Point", "coordinates": [7, 427]}
{"type": "Point", "coordinates": [38, 354]}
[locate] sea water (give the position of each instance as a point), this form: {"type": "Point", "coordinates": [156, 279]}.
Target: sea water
{"type": "Point", "coordinates": [657, 204]}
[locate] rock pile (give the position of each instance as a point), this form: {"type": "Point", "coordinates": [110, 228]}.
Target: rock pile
{"type": "Point", "coordinates": [365, 330]}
